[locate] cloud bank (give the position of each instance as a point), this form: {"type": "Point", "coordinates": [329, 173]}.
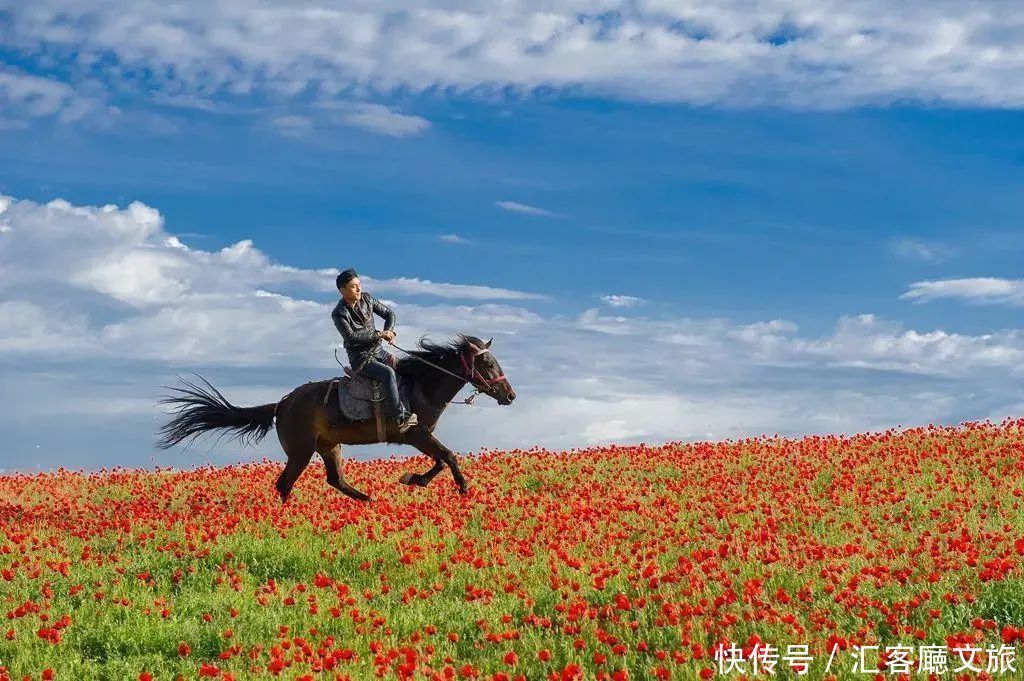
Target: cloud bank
{"type": "Point", "coordinates": [103, 304]}
{"type": "Point", "coordinates": [818, 54]}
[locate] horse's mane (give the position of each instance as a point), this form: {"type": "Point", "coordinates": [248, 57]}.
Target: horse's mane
{"type": "Point", "coordinates": [436, 352]}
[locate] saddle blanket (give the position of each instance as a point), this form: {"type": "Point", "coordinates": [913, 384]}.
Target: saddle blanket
{"type": "Point", "coordinates": [357, 396]}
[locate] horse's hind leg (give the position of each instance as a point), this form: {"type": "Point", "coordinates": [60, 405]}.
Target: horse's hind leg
{"type": "Point", "coordinates": [335, 478]}
{"type": "Point", "coordinates": [299, 453]}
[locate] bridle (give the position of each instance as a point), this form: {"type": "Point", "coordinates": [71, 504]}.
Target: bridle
{"type": "Point", "coordinates": [473, 374]}
{"type": "Point", "coordinates": [470, 374]}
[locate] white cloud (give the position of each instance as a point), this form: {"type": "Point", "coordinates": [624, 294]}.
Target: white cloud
{"type": "Point", "coordinates": [809, 53]}
{"type": "Point", "coordinates": [384, 121]}
{"type": "Point", "coordinates": [592, 320]}
{"type": "Point", "coordinates": [25, 96]}
{"type": "Point", "coordinates": [866, 341]}
{"type": "Point", "coordinates": [861, 341]}
{"type": "Point", "coordinates": [374, 118]}
{"type": "Point", "coordinates": [921, 250]}
{"type": "Point", "coordinates": [180, 304]}
{"type": "Point", "coordinates": [524, 208]}
{"type": "Point", "coordinates": [26, 327]}
{"type": "Point", "coordinates": [622, 301]}
{"type": "Point", "coordinates": [123, 305]}
{"type": "Point", "coordinates": [292, 126]}
{"type": "Point", "coordinates": [416, 286]}
{"type": "Point", "coordinates": [765, 336]}
{"type": "Point", "coordinates": [610, 415]}
{"type": "Point", "coordinates": [453, 239]}
{"type": "Point", "coordinates": [988, 290]}
{"type": "Point", "coordinates": [126, 255]}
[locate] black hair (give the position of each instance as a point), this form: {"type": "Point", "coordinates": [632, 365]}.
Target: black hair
{"type": "Point", "coordinates": [345, 277]}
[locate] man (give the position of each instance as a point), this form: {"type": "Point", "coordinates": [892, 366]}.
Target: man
{"type": "Point", "coordinates": [353, 316]}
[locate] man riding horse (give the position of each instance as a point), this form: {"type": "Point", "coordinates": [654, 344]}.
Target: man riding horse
{"type": "Point", "coordinates": [308, 420]}
{"type": "Point", "coordinates": [353, 317]}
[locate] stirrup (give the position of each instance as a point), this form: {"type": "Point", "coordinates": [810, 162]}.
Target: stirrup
{"type": "Point", "coordinates": [407, 423]}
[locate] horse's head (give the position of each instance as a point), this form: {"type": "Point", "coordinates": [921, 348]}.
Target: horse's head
{"type": "Point", "coordinates": [483, 371]}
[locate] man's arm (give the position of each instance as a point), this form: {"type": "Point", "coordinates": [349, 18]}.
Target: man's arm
{"type": "Point", "coordinates": [354, 336]}
{"type": "Point", "coordinates": [386, 312]}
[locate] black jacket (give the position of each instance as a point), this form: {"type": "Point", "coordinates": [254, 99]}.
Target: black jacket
{"type": "Point", "coordinates": [357, 327]}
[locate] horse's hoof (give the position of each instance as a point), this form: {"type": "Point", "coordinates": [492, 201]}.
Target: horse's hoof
{"type": "Point", "coordinates": [463, 491]}
{"type": "Point", "coordinates": [406, 479]}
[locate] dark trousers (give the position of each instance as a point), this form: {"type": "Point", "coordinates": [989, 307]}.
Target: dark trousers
{"type": "Point", "coordinates": [380, 366]}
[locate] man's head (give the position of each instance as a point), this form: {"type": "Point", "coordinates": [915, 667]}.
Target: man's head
{"type": "Point", "coordinates": [349, 286]}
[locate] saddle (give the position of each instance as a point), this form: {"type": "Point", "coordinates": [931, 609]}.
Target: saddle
{"type": "Point", "coordinates": [361, 398]}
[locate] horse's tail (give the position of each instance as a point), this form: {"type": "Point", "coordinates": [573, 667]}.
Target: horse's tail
{"type": "Point", "coordinates": [198, 410]}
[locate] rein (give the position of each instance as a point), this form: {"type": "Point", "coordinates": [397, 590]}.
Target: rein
{"type": "Point", "coordinates": [469, 367]}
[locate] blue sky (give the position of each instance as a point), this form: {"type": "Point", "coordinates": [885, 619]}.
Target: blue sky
{"type": "Point", "coordinates": [718, 212]}
{"type": "Point", "coordinates": [817, 248]}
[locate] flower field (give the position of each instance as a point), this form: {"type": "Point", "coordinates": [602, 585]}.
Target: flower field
{"type": "Point", "coordinates": [613, 562]}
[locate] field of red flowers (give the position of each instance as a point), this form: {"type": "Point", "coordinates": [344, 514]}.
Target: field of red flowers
{"type": "Point", "coordinates": [614, 562]}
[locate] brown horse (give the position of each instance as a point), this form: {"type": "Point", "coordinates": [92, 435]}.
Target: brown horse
{"type": "Point", "coordinates": [308, 419]}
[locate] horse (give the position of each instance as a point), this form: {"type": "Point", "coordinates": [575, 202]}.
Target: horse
{"type": "Point", "coordinates": [308, 419]}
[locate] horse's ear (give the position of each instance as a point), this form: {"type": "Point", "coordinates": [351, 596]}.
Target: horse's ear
{"type": "Point", "coordinates": [488, 343]}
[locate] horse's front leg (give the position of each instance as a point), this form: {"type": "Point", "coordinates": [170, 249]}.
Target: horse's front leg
{"type": "Point", "coordinates": [423, 479]}
{"type": "Point", "coordinates": [425, 441]}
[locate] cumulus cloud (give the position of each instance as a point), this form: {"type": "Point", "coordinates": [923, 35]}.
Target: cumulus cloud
{"type": "Point", "coordinates": [866, 341]}
{"type": "Point", "coordinates": [861, 341]}
{"type": "Point", "coordinates": [126, 254]}
{"type": "Point", "coordinates": [612, 415]}
{"type": "Point", "coordinates": [819, 54]}
{"type": "Point", "coordinates": [92, 328]}
{"type": "Point", "coordinates": [169, 301]}
{"type": "Point", "coordinates": [983, 290]}
{"type": "Point", "coordinates": [526, 209]}
{"type": "Point", "coordinates": [31, 328]}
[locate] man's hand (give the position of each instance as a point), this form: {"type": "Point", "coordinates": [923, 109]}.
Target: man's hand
{"type": "Point", "coordinates": [388, 335]}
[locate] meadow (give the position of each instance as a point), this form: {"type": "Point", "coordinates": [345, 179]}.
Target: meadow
{"type": "Point", "coordinates": [614, 562]}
